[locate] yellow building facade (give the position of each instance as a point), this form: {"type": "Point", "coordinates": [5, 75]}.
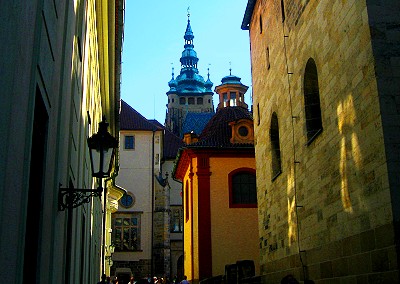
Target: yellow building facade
{"type": "Point", "coordinates": [217, 171]}
{"type": "Point", "coordinates": [232, 233]}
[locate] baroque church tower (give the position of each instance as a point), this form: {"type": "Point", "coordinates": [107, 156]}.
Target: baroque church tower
{"type": "Point", "coordinates": [189, 93]}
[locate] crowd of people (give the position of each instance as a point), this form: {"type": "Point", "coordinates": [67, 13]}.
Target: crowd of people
{"type": "Point", "coordinates": [166, 280]}
{"type": "Point", "coordinates": [288, 279]}
{"type": "Point", "coordinates": [107, 280]}
{"type": "Point", "coordinates": [149, 280]}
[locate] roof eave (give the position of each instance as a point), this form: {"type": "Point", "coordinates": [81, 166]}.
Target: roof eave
{"type": "Point", "coordinates": [248, 14]}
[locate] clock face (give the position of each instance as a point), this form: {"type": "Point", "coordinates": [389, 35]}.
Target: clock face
{"type": "Point", "coordinates": [127, 200]}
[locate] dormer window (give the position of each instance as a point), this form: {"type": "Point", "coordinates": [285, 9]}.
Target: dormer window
{"type": "Point", "coordinates": [242, 131]}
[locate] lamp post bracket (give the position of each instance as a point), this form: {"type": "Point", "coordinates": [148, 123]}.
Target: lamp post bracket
{"type": "Point", "coordinates": [74, 197]}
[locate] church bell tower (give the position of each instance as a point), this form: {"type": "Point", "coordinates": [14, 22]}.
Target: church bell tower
{"type": "Point", "coordinates": [189, 92]}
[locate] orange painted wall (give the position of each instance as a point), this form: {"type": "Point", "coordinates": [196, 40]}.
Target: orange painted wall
{"type": "Point", "coordinates": [234, 230]}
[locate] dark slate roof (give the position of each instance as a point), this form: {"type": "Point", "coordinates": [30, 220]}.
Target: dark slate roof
{"type": "Point", "coordinates": [218, 132]}
{"type": "Point", "coordinates": [196, 121]}
{"type": "Point", "coordinates": [130, 119]}
{"type": "Point", "coordinates": [172, 143]}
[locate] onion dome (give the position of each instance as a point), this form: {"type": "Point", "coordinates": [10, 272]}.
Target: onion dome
{"type": "Point", "coordinates": [189, 81]}
{"type": "Point", "coordinates": [208, 84]}
{"type": "Point", "coordinates": [172, 83]}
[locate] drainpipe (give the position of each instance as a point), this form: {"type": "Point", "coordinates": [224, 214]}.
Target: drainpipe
{"type": "Point", "coordinates": [152, 206]}
{"type": "Point", "coordinates": [104, 227]}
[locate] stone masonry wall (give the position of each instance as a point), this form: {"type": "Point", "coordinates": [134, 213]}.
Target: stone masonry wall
{"type": "Point", "coordinates": [161, 232]}
{"type": "Point", "coordinates": [328, 215]}
{"type": "Point", "coordinates": [384, 21]}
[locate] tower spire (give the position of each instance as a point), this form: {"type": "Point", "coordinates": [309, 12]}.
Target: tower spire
{"type": "Point", "coordinates": [189, 56]}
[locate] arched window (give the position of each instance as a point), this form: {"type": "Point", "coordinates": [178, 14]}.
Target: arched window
{"type": "Point", "coordinates": [199, 101]}
{"type": "Point", "coordinates": [275, 148]}
{"type": "Point", "coordinates": [191, 101]}
{"type": "Point", "coordinates": [187, 200]}
{"type": "Point", "coordinates": [312, 102]}
{"type": "Point", "coordinates": [182, 100]}
{"type": "Point", "coordinates": [242, 188]}
{"type": "Point", "coordinates": [232, 97]}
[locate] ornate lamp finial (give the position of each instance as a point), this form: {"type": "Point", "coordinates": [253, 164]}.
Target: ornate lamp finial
{"type": "Point", "coordinates": [230, 68]}
{"type": "Point", "coordinates": [188, 12]}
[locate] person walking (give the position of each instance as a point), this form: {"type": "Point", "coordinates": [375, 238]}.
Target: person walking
{"type": "Point", "coordinates": [184, 281]}
{"type": "Point", "coordinates": [103, 279]}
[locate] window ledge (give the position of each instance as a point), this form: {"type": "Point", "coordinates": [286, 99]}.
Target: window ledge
{"type": "Point", "coordinates": [276, 175]}
{"type": "Point", "coordinates": [314, 137]}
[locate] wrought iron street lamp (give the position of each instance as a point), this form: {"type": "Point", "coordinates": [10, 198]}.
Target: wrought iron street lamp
{"type": "Point", "coordinates": [102, 147]}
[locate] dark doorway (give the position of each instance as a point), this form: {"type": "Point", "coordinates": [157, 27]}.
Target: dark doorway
{"type": "Point", "coordinates": [123, 278]}
{"type": "Point", "coordinates": [35, 192]}
{"type": "Point", "coordinates": [179, 269]}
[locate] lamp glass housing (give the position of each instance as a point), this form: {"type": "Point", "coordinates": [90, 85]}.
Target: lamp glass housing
{"type": "Point", "coordinates": [102, 150]}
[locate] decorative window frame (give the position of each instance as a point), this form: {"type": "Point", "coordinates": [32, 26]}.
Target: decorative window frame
{"type": "Point", "coordinates": [236, 135]}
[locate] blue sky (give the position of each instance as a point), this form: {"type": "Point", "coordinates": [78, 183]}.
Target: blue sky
{"type": "Point", "coordinates": [153, 39]}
